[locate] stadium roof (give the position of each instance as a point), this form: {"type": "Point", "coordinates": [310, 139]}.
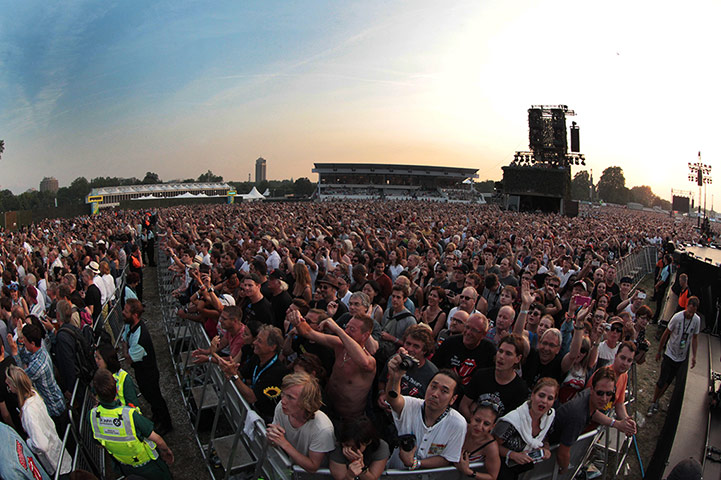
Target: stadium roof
{"type": "Point", "coordinates": [157, 188]}
{"type": "Point", "coordinates": [396, 169]}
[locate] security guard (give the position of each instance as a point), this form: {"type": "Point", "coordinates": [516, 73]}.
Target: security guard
{"type": "Point", "coordinates": [127, 435]}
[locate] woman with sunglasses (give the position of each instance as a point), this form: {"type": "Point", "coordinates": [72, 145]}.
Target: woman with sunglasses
{"type": "Point", "coordinates": [480, 445]}
{"type": "Point", "coordinates": [521, 434]}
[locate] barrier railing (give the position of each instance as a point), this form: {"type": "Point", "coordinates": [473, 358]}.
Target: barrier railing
{"type": "Point", "coordinates": [88, 454]}
{"type": "Point", "coordinates": [544, 470]}
{"type": "Point", "coordinates": [637, 264]}
{"type": "Point", "coordinates": [205, 388]}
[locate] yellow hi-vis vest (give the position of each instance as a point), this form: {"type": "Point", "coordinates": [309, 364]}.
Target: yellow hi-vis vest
{"type": "Point", "coordinates": [119, 384]}
{"type": "Point", "coordinates": [115, 430]}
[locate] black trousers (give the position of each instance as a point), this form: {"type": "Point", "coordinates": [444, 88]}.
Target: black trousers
{"type": "Point", "coordinates": [149, 385]}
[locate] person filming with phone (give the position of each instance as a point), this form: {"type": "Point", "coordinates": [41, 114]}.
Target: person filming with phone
{"type": "Point", "coordinates": [431, 432]}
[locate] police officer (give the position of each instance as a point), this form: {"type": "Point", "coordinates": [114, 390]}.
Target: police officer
{"type": "Point", "coordinates": [126, 434]}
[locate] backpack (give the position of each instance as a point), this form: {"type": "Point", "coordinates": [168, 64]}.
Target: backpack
{"type": "Point", "coordinates": [85, 317]}
{"type": "Point", "coordinates": [85, 365]}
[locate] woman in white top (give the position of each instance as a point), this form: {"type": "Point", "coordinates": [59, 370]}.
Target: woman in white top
{"type": "Point", "coordinates": [42, 437]}
{"type": "Point", "coordinates": [108, 281]}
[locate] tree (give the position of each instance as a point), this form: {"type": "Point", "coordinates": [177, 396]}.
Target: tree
{"type": "Point", "coordinates": [303, 187]}
{"type": "Point", "coordinates": [209, 177]}
{"type": "Point", "coordinates": [2, 148]}
{"type": "Point", "coordinates": [486, 186]}
{"type": "Point", "coordinates": [612, 186]}
{"type": "Point", "coordinates": [643, 195]}
{"type": "Point", "coordinates": [581, 186]}
{"type": "Point", "coordinates": [152, 178]}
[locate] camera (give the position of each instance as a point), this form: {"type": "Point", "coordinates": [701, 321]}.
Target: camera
{"type": "Point", "coordinates": [643, 347]}
{"type": "Point", "coordinates": [407, 362]}
{"type": "Point", "coordinates": [606, 326]}
{"type": "Point", "coordinates": [407, 442]}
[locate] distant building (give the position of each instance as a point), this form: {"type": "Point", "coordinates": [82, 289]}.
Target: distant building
{"type": "Point", "coordinates": [49, 184]}
{"type": "Point", "coordinates": [260, 170]}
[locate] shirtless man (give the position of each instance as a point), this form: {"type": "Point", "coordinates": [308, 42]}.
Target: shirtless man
{"type": "Point", "coordinates": [354, 369]}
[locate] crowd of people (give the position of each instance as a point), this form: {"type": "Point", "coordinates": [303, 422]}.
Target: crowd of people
{"type": "Point", "coordinates": [455, 335]}
{"type": "Point", "coordinates": [367, 335]}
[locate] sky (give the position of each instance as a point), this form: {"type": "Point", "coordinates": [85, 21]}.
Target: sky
{"type": "Point", "coordinates": [119, 88]}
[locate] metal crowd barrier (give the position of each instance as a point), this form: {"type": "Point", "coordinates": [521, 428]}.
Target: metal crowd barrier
{"type": "Point", "coordinates": [88, 454]}
{"type": "Point", "coordinates": [236, 445]}
{"type": "Point", "coordinates": [541, 471]}
{"type": "Point", "coordinates": [637, 264]}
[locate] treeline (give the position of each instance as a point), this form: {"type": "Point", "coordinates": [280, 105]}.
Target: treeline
{"type": "Point", "coordinates": [611, 188]}
{"type": "Point", "coordinates": [76, 192]}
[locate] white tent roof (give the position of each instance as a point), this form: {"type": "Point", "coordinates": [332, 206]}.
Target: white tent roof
{"type": "Point", "coordinates": [254, 193]}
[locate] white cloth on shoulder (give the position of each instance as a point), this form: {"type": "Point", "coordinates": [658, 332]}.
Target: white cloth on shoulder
{"type": "Point", "coordinates": [520, 418]}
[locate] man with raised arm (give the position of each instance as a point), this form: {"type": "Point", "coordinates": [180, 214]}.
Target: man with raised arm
{"type": "Point", "coordinates": [354, 368]}
{"type": "Point", "coordinates": [439, 430]}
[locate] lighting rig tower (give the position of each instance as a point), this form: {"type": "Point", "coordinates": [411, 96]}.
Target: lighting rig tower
{"type": "Point", "coordinates": [701, 174]}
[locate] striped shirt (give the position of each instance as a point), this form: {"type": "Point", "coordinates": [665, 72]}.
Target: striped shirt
{"type": "Point", "coordinates": [39, 368]}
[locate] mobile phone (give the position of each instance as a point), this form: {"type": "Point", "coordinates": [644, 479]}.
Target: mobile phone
{"type": "Point", "coordinates": [595, 263]}
{"type": "Point", "coordinates": [536, 455]}
{"type": "Point", "coordinates": [641, 295]}
{"type": "Point", "coordinates": [582, 301]}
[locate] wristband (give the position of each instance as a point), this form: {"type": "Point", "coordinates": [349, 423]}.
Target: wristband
{"type": "Point", "coordinates": [578, 328]}
{"type": "Point", "coordinates": [613, 422]}
{"type": "Point", "coordinates": [522, 311]}
{"type": "Point", "coordinates": [415, 465]}
{"type": "Point", "coordinates": [508, 457]}
{"type": "Point", "coordinates": [235, 378]}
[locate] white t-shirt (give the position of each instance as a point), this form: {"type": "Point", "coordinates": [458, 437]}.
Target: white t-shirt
{"type": "Point", "coordinates": [607, 353]}
{"type": "Point", "coordinates": [680, 326]}
{"type": "Point", "coordinates": [563, 276]}
{"type": "Point", "coordinates": [314, 435]}
{"type": "Point", "coordinates": [445, 438]}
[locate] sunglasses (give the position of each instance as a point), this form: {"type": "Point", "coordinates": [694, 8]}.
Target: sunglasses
{"type": "Point", "coordinates": [489, 404]}
{"type": "Point", "coordinates": [465, 297]}
{"type": "Point", "coordinates": [617, 329]}
{"type": "Point", "coordinates": [604, 393]}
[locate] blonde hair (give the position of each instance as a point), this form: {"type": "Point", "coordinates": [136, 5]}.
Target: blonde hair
{"type": "Point", "coordinates": [21, 383]}
{"type": "Point", "coordinates": [310, 398]}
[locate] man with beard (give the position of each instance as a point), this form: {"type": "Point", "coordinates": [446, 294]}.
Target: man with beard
{"type": "Point", "coordinates": [138, 347]}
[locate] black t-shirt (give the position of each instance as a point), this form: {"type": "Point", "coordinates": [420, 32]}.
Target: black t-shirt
{"type": "Point", "coordinates": [533, 370]}
{"type": "Point", "coordinates": [93, 299]}
{"type": "Point", "coordinates": [571, 419]}
{"type": "Point", "coordinates": [483, 386]}
{"type": "Point", "coordinates": [453, 354]}
{"type": "Point", "coordinates": [323, 305]}
{"type": "Point", "coordinates": [265, 380]}
{"type": "Point", "coordinates": [280, 304]}
{"type": "Point", "coordinates": [261, 311]}
{"type": "Point", "coordinates": [415, 381]}
{"type": "Point", "coordinates": [614, 303]}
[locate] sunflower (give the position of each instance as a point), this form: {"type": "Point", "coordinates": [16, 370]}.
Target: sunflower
{"type": "Point", "coordinates": [272, 392]}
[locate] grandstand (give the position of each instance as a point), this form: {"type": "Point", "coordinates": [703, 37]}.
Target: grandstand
{"type": "Point", "coordinates": [363, 181]}
{"type": "Point", "coordinates": [112, 196]}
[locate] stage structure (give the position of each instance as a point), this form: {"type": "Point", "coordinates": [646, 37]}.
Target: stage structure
{"type": "Point", "coordinates": [540, 178]}
{"type": "Point", "coordinates": [363, 181]}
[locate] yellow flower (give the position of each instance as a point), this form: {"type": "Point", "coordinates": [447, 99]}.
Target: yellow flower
{"type": "Point", "coordinates": [271, 392]}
